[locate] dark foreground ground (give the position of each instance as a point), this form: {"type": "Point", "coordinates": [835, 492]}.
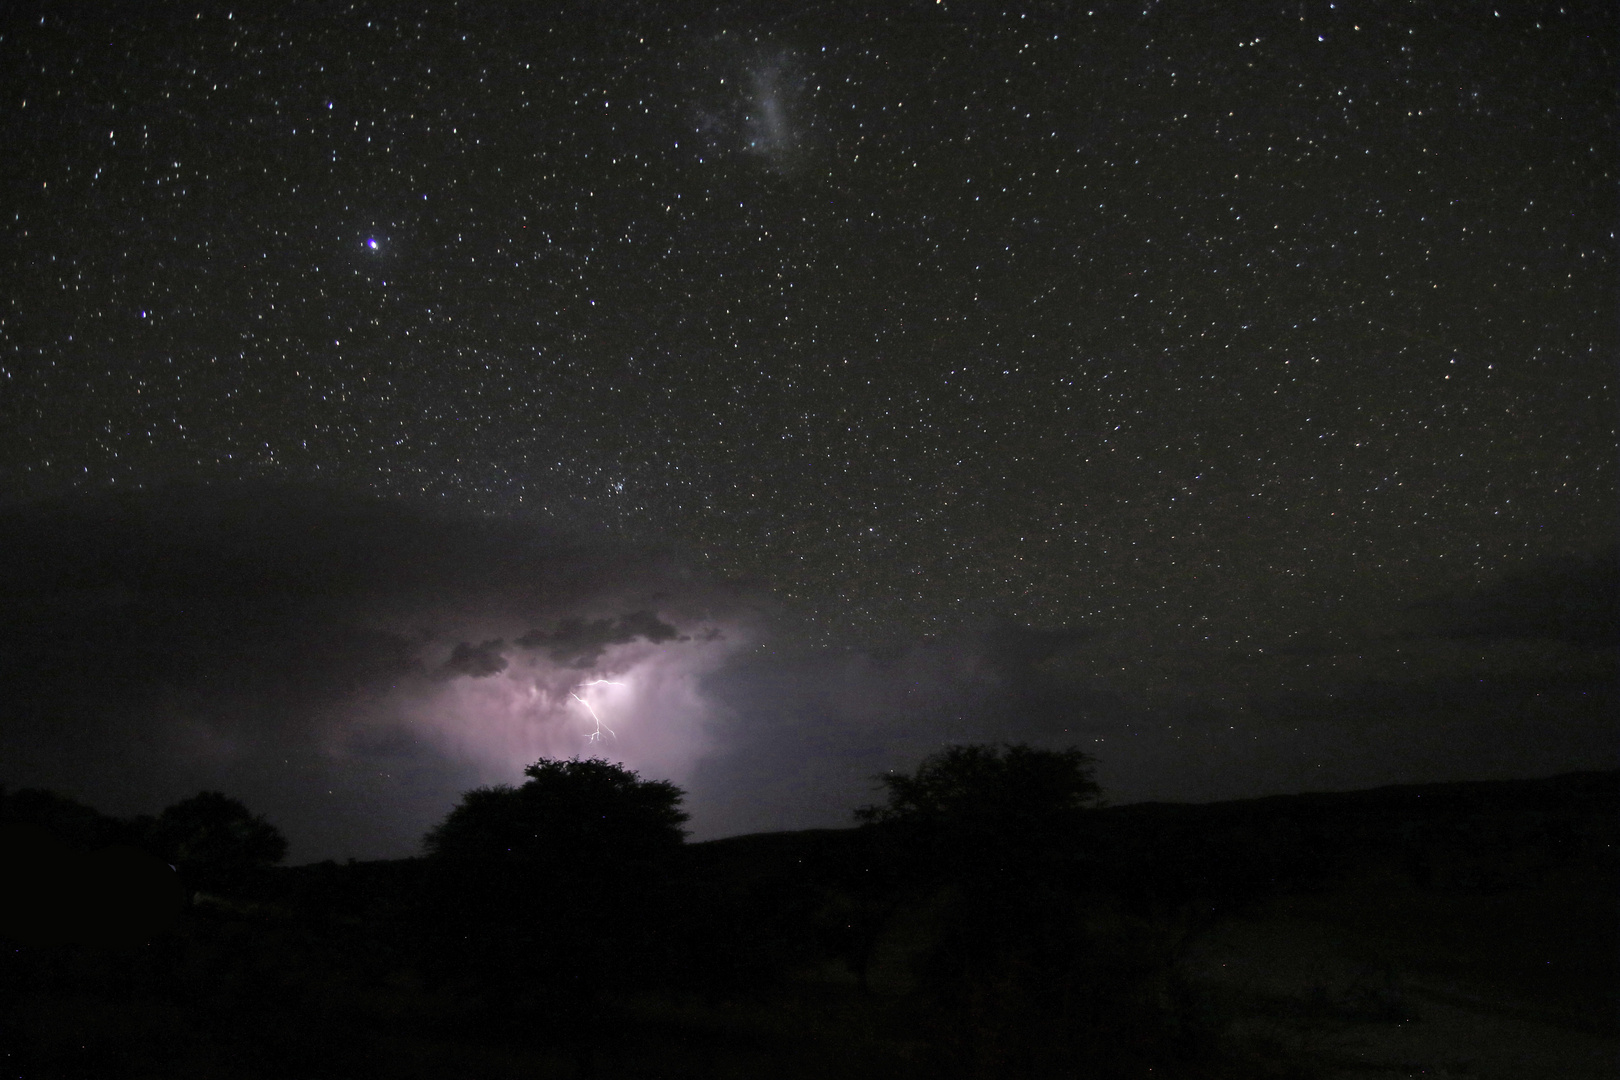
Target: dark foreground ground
{"type": "Point", "coordinates": [1463, 930]}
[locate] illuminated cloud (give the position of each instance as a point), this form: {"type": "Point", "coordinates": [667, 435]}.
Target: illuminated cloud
{"type": "Point", "coordinates": [346, 667]}
{"type": "Point", "coordinates": [350, 668]}
{"type": "Point", "coordinates": [501, 712]}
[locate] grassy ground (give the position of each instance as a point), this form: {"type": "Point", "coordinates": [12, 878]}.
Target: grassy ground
{"type": "Point", "coordinates": [1382, 979]}
{"type": "Point", "coordinates": [1496, 959]}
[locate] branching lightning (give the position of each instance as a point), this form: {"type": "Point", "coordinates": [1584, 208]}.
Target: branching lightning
{"type": "Point", "coordinates": [601, 728]}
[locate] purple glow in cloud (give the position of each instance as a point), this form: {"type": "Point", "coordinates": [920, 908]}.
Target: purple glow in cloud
{"type": "Point", "coordinates": [641, 702]}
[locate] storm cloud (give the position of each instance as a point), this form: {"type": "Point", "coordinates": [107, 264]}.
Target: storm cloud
{"type": "Point", "coordinates": [348, 666]}
{"type": "Point", "coordinates": [344, 665]}
{"type": "Point", "coordinates": [475, 661]}
{"type": "Point", "coordinates": [580, 642]}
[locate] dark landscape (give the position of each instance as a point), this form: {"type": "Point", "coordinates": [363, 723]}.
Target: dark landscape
{"type": "Point", "coordinates": [1374, 933]}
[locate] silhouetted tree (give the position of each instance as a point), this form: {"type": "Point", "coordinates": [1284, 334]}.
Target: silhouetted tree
{"type": "Point", "coordinates": [978, 813]}
{"type": "Point", "coordinates": [215, 842]}
{"type": "Point", "coordinates": [964, 785]}
{"type": "Point", "coordinates": [550, 888]}
{"type": "Point", "coordinates": [74, 874]}
{"type": "Point", "coordinates": [1020, 977]}
{"type": "Point", "coordinates": [66, 818]}
{"type": "Point", "coordinates": [581, 811]}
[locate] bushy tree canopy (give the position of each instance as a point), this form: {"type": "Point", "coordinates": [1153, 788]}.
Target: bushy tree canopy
{"type": "Point", "coordinates": [571, 809]}
{"type": "Point", "coordinates": [215, 840]}
{"type": "Point", "coordinates": [988, 816]}
{"type": "Point", "coordinates": [66, 818]}
{"type": "Point", "coordinates": [1015, 786]}
{"type": "Point", "coordinates": [552, 888]}
{"type": "Point", "coordinates": [995, 838]}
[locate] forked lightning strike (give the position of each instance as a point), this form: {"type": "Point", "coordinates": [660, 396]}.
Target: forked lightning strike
{"type": "Point", "coordinates": [596, 736]}
{"type": "Point", "coordinates": [600, 727]}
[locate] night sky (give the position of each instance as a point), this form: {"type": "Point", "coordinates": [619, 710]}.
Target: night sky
{"type": "Point", "coordinates": [389, 395]}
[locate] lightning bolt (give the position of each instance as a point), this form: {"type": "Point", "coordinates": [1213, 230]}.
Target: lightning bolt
{"type": "Point", "coordinates": [596, 736]}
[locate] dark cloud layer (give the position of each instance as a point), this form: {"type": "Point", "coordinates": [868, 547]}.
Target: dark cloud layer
{"type": "Point", "coordinates": [164, 642]}
{"type": "Point", "coordinates": [1574, 599]}
{"type": "Point", "coordinates": [279, 593]}
{"type": "Point", "coordinates": [475, 661]}
{"type": "Point", "coordinates": [269, 642]}
{"type": "Point", "coordinates": [1017, 649]}
{"type": "Point", "coordinates": [580, 642]}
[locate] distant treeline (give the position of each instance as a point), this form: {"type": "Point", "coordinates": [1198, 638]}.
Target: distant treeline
{"type": "Point", "coordinates": [988, 918]}
{"type": "Point", "coordinates": [80, 876]}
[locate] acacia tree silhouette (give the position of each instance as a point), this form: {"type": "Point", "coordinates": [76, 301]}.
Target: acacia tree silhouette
{"type": "Point", "coordinates": [215, 841]}
{"type": "Point", "coordinates": [970, 783]}
{"type": "Point", "coordinates": [549, 889]}
{"type": "Point", "coordinates": [993, 843]}
{"type": "Point", "coordinates": [583, 811]}
{"type": "Point", "coordinates": [979, 814]}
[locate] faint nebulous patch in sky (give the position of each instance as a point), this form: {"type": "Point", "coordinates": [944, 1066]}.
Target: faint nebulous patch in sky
{"type": "Point", "coordinates": [755, 100]}
{"type": "Point", "coordinates": [775, 93]}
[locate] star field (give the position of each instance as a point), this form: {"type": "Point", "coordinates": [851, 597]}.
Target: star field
{"type": "Point", "coordinates": [1218, 320]}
